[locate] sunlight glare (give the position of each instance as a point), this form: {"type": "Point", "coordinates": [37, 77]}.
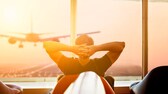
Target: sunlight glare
{"type": "Point", "coordinates": [10, 15]}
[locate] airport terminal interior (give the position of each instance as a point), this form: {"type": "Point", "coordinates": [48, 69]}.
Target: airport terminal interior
{"type": "Point", "coordinates": [26, 67]}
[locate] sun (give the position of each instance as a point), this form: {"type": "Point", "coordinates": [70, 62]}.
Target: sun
{"type": "Point", "coordinates": [10, 15]}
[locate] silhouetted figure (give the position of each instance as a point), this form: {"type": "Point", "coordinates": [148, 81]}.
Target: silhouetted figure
{"type": "Point", "coordinates": [84, 48]}
{"type": "Point", "coordinates": [153, 83]}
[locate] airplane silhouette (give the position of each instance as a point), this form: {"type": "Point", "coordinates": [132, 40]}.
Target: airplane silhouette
{"type": "Point", "coordinates": [35, 37]}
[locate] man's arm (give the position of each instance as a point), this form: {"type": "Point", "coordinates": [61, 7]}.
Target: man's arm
{"type": "Point", "coordinates": [114, 49]}
{"type": "Point", "coordinates": [56, 46]}
{"type": "Point", "coordinates": [54, 49]}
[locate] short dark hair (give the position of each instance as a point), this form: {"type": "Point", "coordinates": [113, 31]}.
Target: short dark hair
{"type": "Point", "coordinates": [84, 39]}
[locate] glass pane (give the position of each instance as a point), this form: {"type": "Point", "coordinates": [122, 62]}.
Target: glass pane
{"type": "Point", "coordinates": [158, 33]}
{"type": "Point", "coordinates": [26, 21]}
{"type": "Point", "coordinates": [117, 20]}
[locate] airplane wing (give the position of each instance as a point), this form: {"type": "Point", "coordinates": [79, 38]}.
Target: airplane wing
{"type": "Point", "coordinates": [2, 35]}
{"type": "Point", "coordinates": [56, 38]}
{"type": "Point", "coordinates": [33, 37]}
{"type": "Point", "coordinates": [13, 37]}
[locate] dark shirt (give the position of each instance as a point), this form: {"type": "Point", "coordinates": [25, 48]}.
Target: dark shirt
{"type": "Point", "coordinates": [71, 66]}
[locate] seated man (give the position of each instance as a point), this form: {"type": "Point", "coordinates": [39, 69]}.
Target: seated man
{"type": "Point", "coordinates": [9, 89]}
{"type": "Point", "coordinates": [84, 48]}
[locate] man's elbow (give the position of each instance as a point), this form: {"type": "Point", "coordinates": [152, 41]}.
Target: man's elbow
{"type": "Point", "coordinates": [122, 46]}
{"type": "Point", "coordinates": [45, 45]}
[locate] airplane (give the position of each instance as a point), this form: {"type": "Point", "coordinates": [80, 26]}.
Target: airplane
{"type": "Point", "coordinates": [35, 37]}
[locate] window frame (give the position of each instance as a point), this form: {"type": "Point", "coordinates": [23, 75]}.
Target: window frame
{"type": "Point", "coordinates": [144, 37]}
{"type": "Point", "coordinates": [144, 43]}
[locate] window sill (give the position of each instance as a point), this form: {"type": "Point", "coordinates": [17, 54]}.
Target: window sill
{"type": "Point", "coordinates": [121, 87]}
{"type": "Point", "coordinates": [32, 85]}
{"type": "Point", "coordinates": [46, 85]}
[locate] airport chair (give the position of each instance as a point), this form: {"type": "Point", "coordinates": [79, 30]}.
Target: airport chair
{"type": "Point", "coordinates": [110, 80]}
{"type": "Point", "coordinates": [10, 88]}
{"type": "Point", "coordinates": [65, 84]}
{"type": "Point", "coordinates": [155, 82]}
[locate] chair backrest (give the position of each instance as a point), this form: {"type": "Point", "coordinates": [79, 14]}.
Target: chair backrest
{"type": "Point", "coordinates": [87, 83]}
{"type": "Point", "coordinates": [84, 83]}
{"type": "Point", "coordinates": [153, 83]}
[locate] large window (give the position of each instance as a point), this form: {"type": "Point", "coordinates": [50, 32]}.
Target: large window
{"type": "Point", "coordinates": [20, 18]}
{"type": "Point", "coordinates": [157, 15]}
{"type": "Point", "coordinates": [117, 20]}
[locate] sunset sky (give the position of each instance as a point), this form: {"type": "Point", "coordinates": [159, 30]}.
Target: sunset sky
{"type": "Point", "coordinates": [117, 21]}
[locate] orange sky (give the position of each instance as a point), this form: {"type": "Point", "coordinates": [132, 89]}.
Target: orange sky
{"type": "Point", "coordinates": [117, 21]}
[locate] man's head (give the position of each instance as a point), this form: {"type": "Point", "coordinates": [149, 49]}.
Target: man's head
{"type": "Point", "coordinates": [84, 39]}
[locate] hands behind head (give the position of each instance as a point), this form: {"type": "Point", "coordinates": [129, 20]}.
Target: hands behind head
{"type": "Point", "coordinates": [84, 51]}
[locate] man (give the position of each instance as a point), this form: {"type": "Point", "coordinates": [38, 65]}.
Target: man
{"type": "Point", "coordinates": [84, 48]}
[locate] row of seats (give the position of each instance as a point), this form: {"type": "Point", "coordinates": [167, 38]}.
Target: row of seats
{"type": "Point", "coordinates": [153, 83]}
{"type": "Point", "coordinates": [10, 89]}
